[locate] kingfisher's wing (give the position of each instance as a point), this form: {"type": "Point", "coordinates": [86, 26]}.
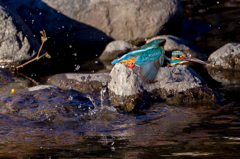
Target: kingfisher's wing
{"type": "Point", "coordinates": [150, 62]}
{"type": "Point", "coordinates": [154, 43]}
{"type": "Point", "coordinates": [129, 55]}
{"type": "Point", "coordinates": [149, 54]}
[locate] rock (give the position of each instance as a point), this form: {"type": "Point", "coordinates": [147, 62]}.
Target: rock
{"type": "Point", "coordinates": [79, 82]}
{"type": "Point", "coordinates": [116, 49]}
{"type": "Point", "coordinates": [17, 41]}
{"type": "Point", "coordinates": [177, 43]}
{"type": "Point", "coordinates": [94, 23]}
{"type": "Point", "coordinates": [173, 85]}
{"type": "Point", "coordinates": [43, 103]}
{"type": "Point", "coordinates": [226, 57]}
{"type": "Point", "coordinates": [125, 81]}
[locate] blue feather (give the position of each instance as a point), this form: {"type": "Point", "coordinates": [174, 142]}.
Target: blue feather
{"type": "Point", "coordinates": [115, 61]}
{"type": "Point", "coordinates": [149, 71]}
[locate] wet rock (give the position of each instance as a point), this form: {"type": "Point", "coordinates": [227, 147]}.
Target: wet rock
{"type": "Point", "coordinates": [79, 82]}
{"type": "Point", "coordinates": [115, 49]}
{"type": "Point", "coordinates": [177, 43]}
{"type": "Point", "coordinates": [226, 57]}
{"type": "Point", "coordinates": [94, 23]}
{"type": "Point", "coordinates": [43, 103]}
{"type": "Point", "coordinates": [173, 85]}
{"type": "Point", "coordinates": [17, 41]}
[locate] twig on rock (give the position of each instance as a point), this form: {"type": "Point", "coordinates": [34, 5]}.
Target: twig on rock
{"type": "Point", "coordinates": [43, 39]}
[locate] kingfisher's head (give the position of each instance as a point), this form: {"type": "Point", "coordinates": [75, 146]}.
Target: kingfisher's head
{"type": "Point", "coordinates": [179, 57]}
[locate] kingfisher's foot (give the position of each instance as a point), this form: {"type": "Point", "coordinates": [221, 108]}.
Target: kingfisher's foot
{"type": "Point", "coordinates": [131, 65]}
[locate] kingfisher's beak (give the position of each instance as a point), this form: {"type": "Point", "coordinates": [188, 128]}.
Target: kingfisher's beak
{"type": "Point", "coordinates": [193, 60]}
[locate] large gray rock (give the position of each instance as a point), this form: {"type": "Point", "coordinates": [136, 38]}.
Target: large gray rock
{"type": "Point", "coordinates": [173, 84]}
{"type": "Point", "coordinates": [79, 82]}
{"type": "Point", "coordinates": [226, 57]}
{"type": "Point", "coordinates": [17, 41]}
{"type": "Point", "coordinates": [177, 43]}
{"type": "Point", "coordinates": [99, 21]}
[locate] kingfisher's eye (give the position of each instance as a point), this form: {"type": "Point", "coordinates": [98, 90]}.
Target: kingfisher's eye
{"type": "Point", "coordinates": [178, 56]}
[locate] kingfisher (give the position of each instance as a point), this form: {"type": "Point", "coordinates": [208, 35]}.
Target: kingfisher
{"type": "Point", "coordinates": [151, 56]}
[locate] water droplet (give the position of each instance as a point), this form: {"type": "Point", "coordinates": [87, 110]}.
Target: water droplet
{"type": "Point", "coordinates": [74, 54]}
{"type": "Point", "coordinates": [92, 71]}
{"type": "Point", "coordinates": [40, 13]}
{"type": "Point", "coordinates": [96, 61]}
{"type": "Point", "coordinates": [79, 106]}
{"type": "Point", "coordinates": [217, 2]}
{"type": "Point", "coordinates": [113, 148]}
{"type": "Point", "coordinates": [96, 54]}
{"type": "Point", "coordinates": [34, 36]}
{"type": "Point", "coordinates": [70, 98]}
{"type": "Point", "coordinates": [219, 28]}
{"type": "Point", "coordinates": [70, 46]}
{"type": "Point", "coordinates": [67, 35]}
{"type": "Point", "coordinates": [104, 84]}
{"type": "Point", "coordinates": [77, 67]}
{"type": "Point", "coordinates": [62, 26]}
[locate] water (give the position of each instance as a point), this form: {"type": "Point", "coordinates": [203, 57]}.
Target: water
{"type": "Point", "coordinates": [199, 130]}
